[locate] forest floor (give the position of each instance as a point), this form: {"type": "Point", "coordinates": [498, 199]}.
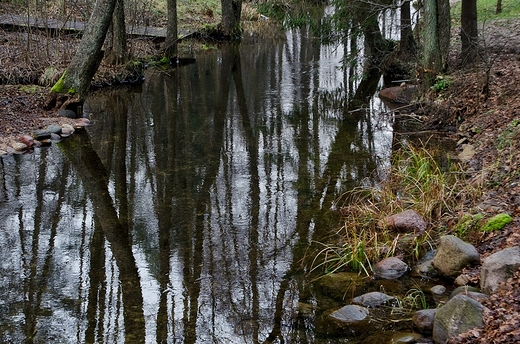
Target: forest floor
{"type": "Point", "coordinates": [490, 122]}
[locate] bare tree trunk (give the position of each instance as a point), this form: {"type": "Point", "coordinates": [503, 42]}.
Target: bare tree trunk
{"type": "Point", "coordinates": [469, 31]}
{"type": "Point", "coordinates": [499, 7]}
{"type": "Point", "coordinates": [170, 44]}
{"type": "Point", "coordinates": [436, 42]}
{"type": "Point", "coordinates": [407, 42]}
{"type": "Point", "coordinates": [76, 79]}
{"type": "Point", "coordinates": [117, 47]}
{"type": "Point", "coordinates": [231, 13]}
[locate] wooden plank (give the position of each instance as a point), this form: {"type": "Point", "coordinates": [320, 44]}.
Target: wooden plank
{"type": "Point", "coordinates": [19, 22]}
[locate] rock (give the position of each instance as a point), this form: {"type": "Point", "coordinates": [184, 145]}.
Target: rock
{"type": "Point", "coordinates": [372, 299]}
{"type": "Point", "coordinates": [498, 267]}
{"type": "Point", "coordinates": [453, 255]}
{"type": "Point", "coordinates": [404, 337]}
{"type": "Point", "coordinates": [54, 129]}
{"type": "Point", "coordinates": [398, 94]}
{"type": "Point", "coordinates": [46, 142]}
{"type": "Point", "coordinates": [335, 285]}
{"type": "Point", "coordinates": [27, 140]}
{"type": "Point", "coordinates": [41, 134]}
{"type": "Point", "coordinates": [3, 152]}
{"type": "Point", "coordinates": [463, 290]}
{"type": "Point", "coordinates": [423, 320]}
{"type": "Point", "coordinates": [457, 316]}
{"type": "Point", "coordinates": [83, 121]}
{"type": "Point", "coordinates": [424, 267]}
{"type": "Point", "coordinates": [438, 289]}
{"type": "Point", "coordinates": [406, 221]}
{"type": "Point", "coordinates": [350, 314]}
{"type": "Point", "coordinates": [19, 146]}
{"type": "Point", "coordinates": [390, 268]}
{"type": "Point", "coordinates": [66, 130]}
{"type": "Point", "coordinates": [55, 137]}
{"type": "Point", "coordinates": [67, 113]}
{"type": "Point", "coordinates": [468, 151]}
{"type": "Point", "coordinates": [462, 280]}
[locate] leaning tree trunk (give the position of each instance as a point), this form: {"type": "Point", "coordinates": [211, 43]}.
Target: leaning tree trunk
{"type": "Point", "coordinates": [231, 12]}
{"type": "Point", "coordinates": [75, 81]}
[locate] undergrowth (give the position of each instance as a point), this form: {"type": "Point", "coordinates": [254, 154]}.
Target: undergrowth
{"type": "Point", "coordinates": [416, 180]}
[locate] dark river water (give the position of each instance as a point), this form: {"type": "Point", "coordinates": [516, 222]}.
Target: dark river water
{"type": "Point", "coordinates": [183, 214]}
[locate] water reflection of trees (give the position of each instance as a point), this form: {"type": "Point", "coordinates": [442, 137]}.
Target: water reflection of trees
{"type": "Point", "coordinates": [191, 206]}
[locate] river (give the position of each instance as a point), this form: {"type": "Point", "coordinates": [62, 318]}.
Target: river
{"type": "Point", "coordinates": [183, 214]}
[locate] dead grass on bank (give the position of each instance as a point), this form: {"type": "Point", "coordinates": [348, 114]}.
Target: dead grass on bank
{"type": "Point", "coordinates": [416, 180]}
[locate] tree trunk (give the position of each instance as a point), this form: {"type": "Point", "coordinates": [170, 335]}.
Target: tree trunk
{"type": "Point", "coordinates": [469, 31]}
{"type": "Point", "coordinates": [117, 47]}
{"type": "Point", "coordinates": [436, 38]}
{"type": "Point", "coordinates": [170, 44]}
{"type": "Point", "coordinates": [407, 42]}
{"type": "Point", "coordinates": [76, 79]}
{"type": "Point", "coordinates": [499, 7]}
{"type": "Point", "coordinates": [231, 12]}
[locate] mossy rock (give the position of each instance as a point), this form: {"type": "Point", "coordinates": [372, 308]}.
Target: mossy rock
{"type": "Point", "coordinates": [497, 222]}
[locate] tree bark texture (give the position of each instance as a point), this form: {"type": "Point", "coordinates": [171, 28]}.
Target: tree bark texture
{"type": "Point", "coordinates": [469, 31]}
{"type": "Point", "coordinates": [436, 37]}
{"type": "Point", "coordinates": [76, 79]}
{"type": "Point", "coordinates": [116, 45]}
{"type": "Point", "coordinates": [170, 44]}
{"type": "Point", "coordinates": [231, 13]}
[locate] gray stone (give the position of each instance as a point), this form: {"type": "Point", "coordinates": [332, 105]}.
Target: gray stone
{"type": "Point", "coordinates": [463, 290]}
{"type": "Point", "coordinates": [372, 299]}
{"type": "Point", "coordinates": [350, 314]}
{"type": "Point", "coordinates": [390, 268]}
{"type": "Point", "coordinates": [457, 316]}
{"type": "Point", "coordinates": [423, 320]}
{"type": "Point", "coordinates": [453, 255]}
{"type": "Point", "coordinates": [498, 267]}
{"type": "Point", "coordinates": [67, 113]}
{"type": "Point", "coordinates": [438, 289]}
{"type": "Point", "coordinates": [54, 129]}
{"type": "Point", "coordinates": [42, 134]}
{"type": "Point", "coordinates": [55, 137]}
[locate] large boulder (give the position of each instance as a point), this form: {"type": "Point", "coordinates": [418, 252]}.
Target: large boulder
{"type": "Point", "coordinates": [390, 268]}
{"type": "Point", "coordinates": [457, 316]}
{"type": "Point", "coordinates": [453, 255]}
{"type": "Point", "coordinates": [498, 267]}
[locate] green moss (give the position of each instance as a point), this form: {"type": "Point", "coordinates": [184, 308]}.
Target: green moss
{"type": "Point", "coordinates": [58, 86]}
{"type": "Point", "coordinates": [497, 222]}
{"type": "Point", "coordinates": [468, 223]}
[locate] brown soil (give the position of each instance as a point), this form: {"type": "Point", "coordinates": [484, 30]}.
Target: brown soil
{"type": "Point", "coordinates": [490, 122]}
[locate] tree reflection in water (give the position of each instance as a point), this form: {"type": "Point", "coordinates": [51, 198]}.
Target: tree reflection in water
{"type": "Point", "coordinates": [184, 212]}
